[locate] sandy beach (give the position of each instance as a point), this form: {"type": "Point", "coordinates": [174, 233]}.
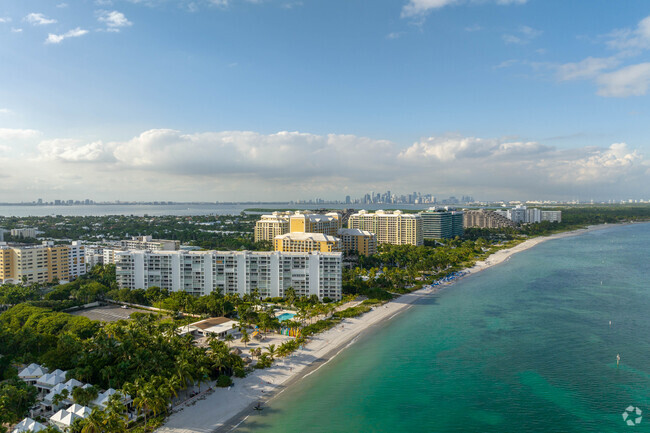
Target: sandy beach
{"type": "Point", "coordinates": [225, 408]}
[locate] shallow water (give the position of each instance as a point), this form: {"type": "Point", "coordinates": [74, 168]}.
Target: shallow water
{"type": "Point", "coordinates": [525, 346]}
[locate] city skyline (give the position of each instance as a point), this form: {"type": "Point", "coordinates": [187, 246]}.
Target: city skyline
{"type": "Point", "coordinates": [271, 100]}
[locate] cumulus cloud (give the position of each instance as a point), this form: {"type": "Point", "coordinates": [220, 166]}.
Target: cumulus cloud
{"type": "Point", "coordinates": [421, 7]}
{"type": "Point", "coordinates": [6, 111]}
{"type": "Point", "coordinates": [69, 150]}
{"type": "Point", "coordinates": [114, 20]}
{"type": "Point", "coordinates": [18, 134]}
{"type": "Point", "coordinates": [57, 39]}
{"type": "Point", "coordinates": [283, 165]}
{"type": "Point", "coordinates": [5, 20]}
{"type": "Point", "coordinates": [38, 19]}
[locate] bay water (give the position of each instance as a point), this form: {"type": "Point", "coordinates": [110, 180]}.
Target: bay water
{"type": "Point", "coordinates": [525, 346]}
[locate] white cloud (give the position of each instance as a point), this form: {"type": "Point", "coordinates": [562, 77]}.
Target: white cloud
{"type": "Point", "coordinates": [5, 111]}
{"type": "Point", "coordinates": [633, 40]}
{"type": "Point", "coordinates": [250, 165]}
{"type": "Point", "coordinates": [5, 20]}
{"type": "Point", "coordinates": [114, 20]}
{"type": "Point", "coordinates": [39, 19]}
{"type": "Point", "coordinates": [62, 5]}
{"type": "Point", "coordinates": [15, 30]}
{"type": "Point", "coordinates": [590, 67]}
{"type": "Point", "coordinates": [522, 36]}
{"type": "Point", "coordinates": [7, 134]}
{"type": "Point", "coordinates": [56, 39]}
{"type": "Point", "coordinates": [421, 7]}
{"type": "Point", "coordinates": [69, 150]}
{"type": "Point", "coordinates": [631, 80]}
{"type": "Point", "coordinates": [394, 35]}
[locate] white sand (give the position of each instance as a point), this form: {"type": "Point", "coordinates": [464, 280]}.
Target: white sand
{"type": "Point", "coordinates": [224, 409]}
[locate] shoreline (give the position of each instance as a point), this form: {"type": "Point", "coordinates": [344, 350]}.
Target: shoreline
{"type": "Point", "coordinates": [226, 408]}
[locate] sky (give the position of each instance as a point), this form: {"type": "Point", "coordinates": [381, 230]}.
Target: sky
{"type": "Point", "coordinates": [220, 100]}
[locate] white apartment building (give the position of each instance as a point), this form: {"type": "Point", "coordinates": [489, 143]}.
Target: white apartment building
{"type": "Point", "coordinates": [77, 259]}
{"type": "Point", "coordinates": [551, 215]}
{"type": "Point", "coordinates": [147, 243]}
{"type": "Point", "coordinates": [94, 255]}
{"type": "Point", "coordinates": [202, 272]}
{"type": "Point", "coordinates": [23, 233]}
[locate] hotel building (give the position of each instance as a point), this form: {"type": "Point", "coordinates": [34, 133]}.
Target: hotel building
{"type": "Point", "coordinates": [390, 227]}
{"type": "Point", "coordinates": [306, 242]}
{"type": "Point", "coordinates": [241, 272]}
{"type": "Point", "coordinates": [280, 223]}
{"type": "Point", "coordinates": [363, 242]}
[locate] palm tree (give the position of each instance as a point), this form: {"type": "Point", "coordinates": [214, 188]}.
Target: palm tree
{"type": "Point", "coordinates": [270, 349]}
{"type": "Point", "coordinates": [229, 338]}
{"type": "Point", "coordinates": [94, 422]}
{"type": "Point", "coordinates": [245, 338]}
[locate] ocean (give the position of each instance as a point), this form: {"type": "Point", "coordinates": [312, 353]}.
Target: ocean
{"type": "Point", "coordinates": [525, 346]}
{"type": "Point", "coordinates": [177, 209]}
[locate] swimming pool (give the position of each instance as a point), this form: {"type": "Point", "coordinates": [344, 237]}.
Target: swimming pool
{"type": "Point", "coordinates": [285, 316]}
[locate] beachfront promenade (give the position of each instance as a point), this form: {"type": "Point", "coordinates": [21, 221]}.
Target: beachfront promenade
{"type": "Point", "coordinates": [225, 408]}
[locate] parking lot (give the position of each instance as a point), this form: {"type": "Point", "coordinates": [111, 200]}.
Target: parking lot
{"type": "Point", "coordinates": [106, 313]}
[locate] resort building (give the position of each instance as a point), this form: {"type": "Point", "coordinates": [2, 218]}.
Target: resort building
{"type": "Point", "coordinates": [34, 263]}
{"type": "Point", "coordinates": [280, 223]}
{"type": "Point", "coordinates": [551, 215]}
{"type": "Point", "coordinates": [93, 256]}
{"type": "Point", "coordinates": [390, 227]}
{"type": "Point", "coordinates": [359, 241]}
{"type": "Point", "coordinates": [306, 242]}
{"type": "Point", "coordinates": [441, 224]}
{"type": "Point", "coordinates": [305, 222]}
{"type": "Point", "coordinates": [270, 226]}
{"type": "Point", "coordinates": [149, 244]}
{"type": "Point", "coordinates": [241, 272]}
{"type": "Point", "coordinates": [486, 219]}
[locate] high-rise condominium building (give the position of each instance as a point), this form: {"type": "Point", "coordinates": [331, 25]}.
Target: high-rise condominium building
{"type": "Point", "coordinates": [149, 244]}
{"type": "Point", "coordinates": [306, 242]}
{"type": "Point", "coordinates": [360, 241]}
{"type": "Point", "coordinates": [241, 272]}
{"type": "Point", "coordinates": [390, 227]}
{"type": "Point", "coordinates": [442, 224]}
{"type": "Point", "coordinates": [486, 219]}
{"type": "Point", "coordinates": [34, 263]}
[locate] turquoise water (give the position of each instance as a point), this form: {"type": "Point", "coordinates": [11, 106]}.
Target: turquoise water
{"type": "Point", "coordinates": [525, 346]}
{"type": "Point", "coordinates": [285, 316]}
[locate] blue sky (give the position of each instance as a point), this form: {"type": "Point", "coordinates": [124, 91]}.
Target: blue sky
{"type": "Point", "coordinates": [282, 99]}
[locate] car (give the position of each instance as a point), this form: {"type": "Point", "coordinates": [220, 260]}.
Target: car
{"type": "Point", "coordinates": [124, 307]}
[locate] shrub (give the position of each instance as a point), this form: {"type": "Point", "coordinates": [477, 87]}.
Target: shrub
{"type": "Point", "coordinates": [224, 381]}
